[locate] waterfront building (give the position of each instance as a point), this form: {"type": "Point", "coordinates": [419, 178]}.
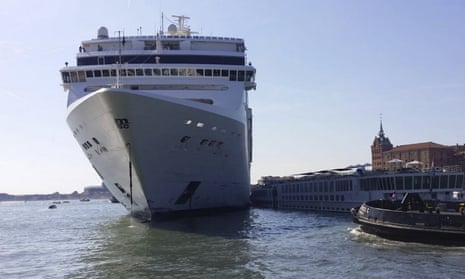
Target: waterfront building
{"type": "Point", "coordinates": [421, 156]}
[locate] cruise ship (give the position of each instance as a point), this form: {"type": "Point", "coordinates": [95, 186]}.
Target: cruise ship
{"type": "Point", "coordinates": [164, 119]}
{"type": "Point", "coordinates": [340, 190]}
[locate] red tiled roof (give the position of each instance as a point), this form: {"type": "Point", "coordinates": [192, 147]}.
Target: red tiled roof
{"type": "Point", "coordinates": [416, 146]}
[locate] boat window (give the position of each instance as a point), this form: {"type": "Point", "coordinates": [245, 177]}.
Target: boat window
{"type": "Point", "coordinates": [89, 74]}
{"type": "Point", "coordinates": [66, 77]}
{"type": "Point", "coordinates": [182, 72]}
{"type": "Point", "coordinates": [399, 183]}
{"type": "Point", "coordinates": [156, 72]}
{"type": "Point", "coordinates": [232, 75]}
{"type": "Point", "coordinates": [106, 73]}
{"type": "Point", "coordinates": [426, 182]}
{"type": "Point", "coordinates": [208, 72]}
{"type": "Point", "coordinates": [216, 73]}
{"type": "Point", "coordinates": [240, 76]}
{"type": "Point", "coordinates": [97, 73]}
{"type": "Point", "coordinates": [165, 72]}
{"type": "Point", "coordinates": [460, 181]}
{"type": "Point", "coordinates": [435, 182]}
{"type": "Point", "coordinates": [443, 181]}
{"type": "Point", "coordinates": [82, 76]}
{"type": "Point", "coordinates": [139, 72]}
{"type": "Point", "coordinates": [191, 72]}
{"type": "Point", "coordinates": [417, 182]}
{"type": "Point", "coordinates": [73, 76]}
{"type": "Point", "coordinates": [408, 183]}
{"type": "Point", "coordinates": [249, 76]}
{"type": "Point", "coordinates": [148, 72]}
{"type": "Point", "coordinates": [122, 72]}
{"type": "Point", "coordinates": [131, 72]}
{"type": "Point", "coordinates": [174, 72]}
{"type": "Point", "coordinates": [452, 180]}
{"type": "Point", "coordinates": [224, 73]}
{"type": "Point", "coordinates": [113, 73]}
{"type": "Point", "coordinates": [200, 72]}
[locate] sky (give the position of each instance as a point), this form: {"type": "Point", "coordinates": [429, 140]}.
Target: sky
{"type": "Point", "coordinates": [327, 71]}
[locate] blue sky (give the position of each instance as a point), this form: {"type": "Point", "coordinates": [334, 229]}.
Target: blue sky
{"type": "Point", "coordinates": [326, 70]}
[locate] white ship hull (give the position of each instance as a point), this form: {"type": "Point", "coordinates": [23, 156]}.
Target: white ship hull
{"type": "Point", "coordinates": [158, 154]}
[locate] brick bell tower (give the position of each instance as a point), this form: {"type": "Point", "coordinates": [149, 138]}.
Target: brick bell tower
{"type": "Point", "coordinates": [380, 144]}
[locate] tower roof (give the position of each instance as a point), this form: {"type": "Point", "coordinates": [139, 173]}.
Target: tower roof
{"type": "Point", "coordinates": [381, 139]}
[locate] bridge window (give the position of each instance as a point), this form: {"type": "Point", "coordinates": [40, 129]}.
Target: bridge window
{"type": "Point", "coordinates": [82, 76]}
{"type": "Point", "coordinates": [148, 72]}
{"type": "Point", "coordinates": [240, 75]}
{"type": "Point", "coordinates": [232, 75]}
{"type": "Point", "coordinates": [191, 72]}
{"type": "Point", "coordinates": [66, 77]}
{"type": "Point", "coordinates": [183, 72]}
{"type": "Point", "coordinates": [249, 76]}
{"type": "Point", "coordinates": [73, 76]}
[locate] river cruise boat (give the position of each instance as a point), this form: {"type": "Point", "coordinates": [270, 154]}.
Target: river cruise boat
{"type": "Point", "coordinates": [340, 190]}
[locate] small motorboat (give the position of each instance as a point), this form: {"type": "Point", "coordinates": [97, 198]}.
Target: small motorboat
{"type": "Point", "coordinates": [52, 206]}
{"type": "Point", "coordinates": [413, 220]}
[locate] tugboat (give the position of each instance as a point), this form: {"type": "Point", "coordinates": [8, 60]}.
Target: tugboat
{"type": "Point", "coordinates": [413, 220]}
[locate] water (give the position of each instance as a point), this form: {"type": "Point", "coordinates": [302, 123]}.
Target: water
{"type": "Point", "coordinates": [97, 239]}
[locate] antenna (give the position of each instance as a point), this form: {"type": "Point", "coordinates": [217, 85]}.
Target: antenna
{"type": "Point", "coordinates": [162, 24]}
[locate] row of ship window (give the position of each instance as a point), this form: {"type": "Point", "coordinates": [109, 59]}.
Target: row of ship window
{"type": "Point", "coordinates": [321, 186]}
{"type": "Point", "coordinates": [313, 198]}
{"type": "Point", "coordinates": [233, 75]}
{"type": "Point", "coordinates": [412, 182]}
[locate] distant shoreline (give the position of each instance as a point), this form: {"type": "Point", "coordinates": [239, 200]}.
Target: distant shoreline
{"type": "Point", "coordinates": [95, 193]}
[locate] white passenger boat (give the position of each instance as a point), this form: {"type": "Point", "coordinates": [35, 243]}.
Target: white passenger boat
{"type": "Point", "coordinates": [340, 190]}
{"type": "Point", "coordinates": [164, 119]}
